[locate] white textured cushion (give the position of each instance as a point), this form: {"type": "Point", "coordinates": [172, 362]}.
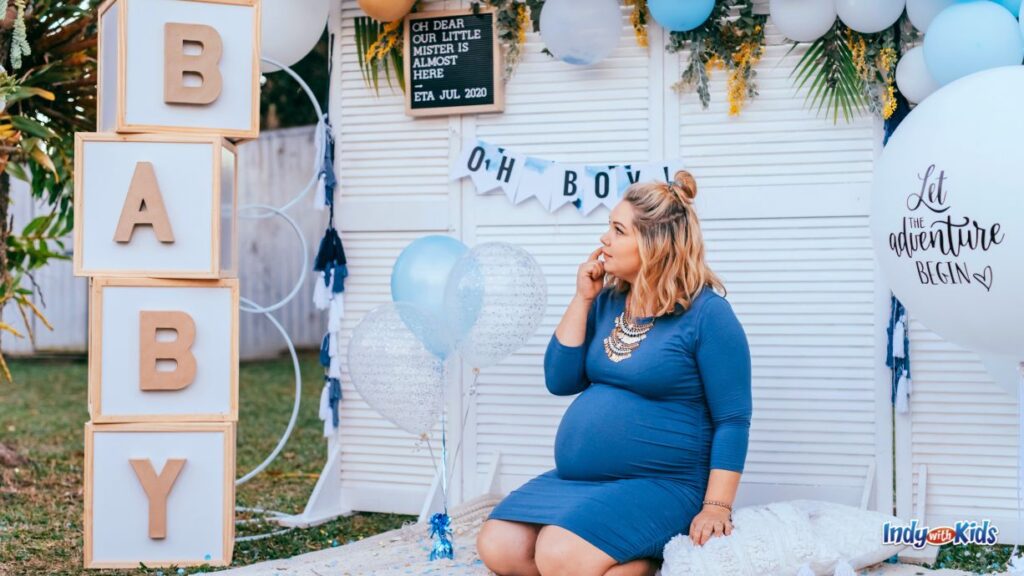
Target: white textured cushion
{"type": "Point", "coordinates": [780, 538]}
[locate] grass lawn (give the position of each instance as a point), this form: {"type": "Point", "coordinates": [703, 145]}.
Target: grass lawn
{"type": "Point", "coordinates": [42, 416]}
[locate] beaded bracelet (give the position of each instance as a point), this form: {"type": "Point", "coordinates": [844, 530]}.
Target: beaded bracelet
{"type": "Point", "coordinates": [716, 503]}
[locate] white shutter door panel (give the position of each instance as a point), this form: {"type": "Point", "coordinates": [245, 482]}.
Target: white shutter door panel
{"type": "Point", "coordinates": [963, 429]}
{"type": "Point", "coordinates": [393, 169]}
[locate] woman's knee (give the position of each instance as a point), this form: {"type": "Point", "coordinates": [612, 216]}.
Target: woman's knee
{"type": "Point", "coordinates": [507, 548]}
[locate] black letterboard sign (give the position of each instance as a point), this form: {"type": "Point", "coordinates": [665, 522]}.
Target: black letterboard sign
{"type": "Point", "coordinates": [452, 63]}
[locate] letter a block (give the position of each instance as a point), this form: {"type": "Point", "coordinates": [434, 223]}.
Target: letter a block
{"type": "Point", "coordinates": [179, 66]}
{"type": "Point", "coordinates": [160, 206]}
{"type": "Point", "coordinates": [159, 493]}
{"type": "Point", "coordinates": [163, 350]}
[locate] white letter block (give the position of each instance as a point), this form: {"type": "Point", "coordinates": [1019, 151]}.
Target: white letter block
{"type": "Point", "coordinates": [179, 66]}
{"type": "Point", "coordinates": [123, 363]}
{"type": "Point", "coordinates": [188, 519]}
{"type": "Point", "coordinates": [159, 206]}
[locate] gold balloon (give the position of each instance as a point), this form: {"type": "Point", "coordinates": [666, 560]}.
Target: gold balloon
{"type": "Point", "coordinates": [386, 10]}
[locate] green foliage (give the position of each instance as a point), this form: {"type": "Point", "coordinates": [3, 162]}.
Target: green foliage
{"type": "Point", "coordinates": [828, 72]}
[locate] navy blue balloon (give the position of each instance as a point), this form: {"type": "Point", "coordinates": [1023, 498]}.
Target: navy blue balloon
{"type": "Point", "coordinates": [419, 277]}
{"type": "Point", "coordinates": [680, 15]}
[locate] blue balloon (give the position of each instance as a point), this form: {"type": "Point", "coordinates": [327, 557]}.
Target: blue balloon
{"type": "Point", "coordinates": [1012, 5]}
{"type": "Point", "coordinates": [680, 15]}
{"type": "Point", "coordinates": [970, 37]}
{"type": "Point", "coordinates": [419, 277]}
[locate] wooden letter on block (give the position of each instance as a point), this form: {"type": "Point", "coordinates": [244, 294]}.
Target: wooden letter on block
{"type": "Point", "coordinates": [159, 493]}
{"type": "Point", "coordinates": [149, 206]}
{"type": "Point", "coordinates": [177, 64]}
{"type": "Point", "coordinates": [144, 206]}
{"type": "Point", "coordinates": [157, 488]}
{"type": "Point", "coordinates": [151, 350]}
{"type": "Point", "coordinates": [163, 350]}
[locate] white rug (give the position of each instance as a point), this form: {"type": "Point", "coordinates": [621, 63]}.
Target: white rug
{"type": "Point", "coordinates": [406, 551]}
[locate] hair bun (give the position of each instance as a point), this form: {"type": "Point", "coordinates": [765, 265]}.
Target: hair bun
{"type": "Point", "coordinates": [684, 186]}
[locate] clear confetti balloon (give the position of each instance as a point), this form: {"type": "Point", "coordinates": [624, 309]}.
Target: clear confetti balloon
{"type": "Point", "coordinates": [393, 371]}
{"type": "Point", "coordinates": [495, 299]}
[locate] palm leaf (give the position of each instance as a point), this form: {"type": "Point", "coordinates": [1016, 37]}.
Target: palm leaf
{"type": "Point", "coordinates": [828, 73]}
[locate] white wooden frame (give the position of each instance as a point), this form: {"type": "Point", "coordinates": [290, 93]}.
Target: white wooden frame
{"type": "Point", "coordinates": [217, 145]}
{"type": "Point", "coordinates": [96, 350]}
{"type": "Point", "coordinates": [228, 544]}
{"type": "Point", "coordinates": [120, 123]}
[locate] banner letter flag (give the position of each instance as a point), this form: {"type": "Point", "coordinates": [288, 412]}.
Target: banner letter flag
{"type": "Point", "coordinates": [532, 183]}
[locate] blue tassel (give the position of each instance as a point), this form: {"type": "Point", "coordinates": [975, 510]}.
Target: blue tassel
{"type": "Point", "coordinates": [340, 273]}
{"type": "Point", "coordinates": [334, 398]}
{"type": "Point", "coordinates": [441, 527]}
{"type": "Point", "coordinates": [325, 355]}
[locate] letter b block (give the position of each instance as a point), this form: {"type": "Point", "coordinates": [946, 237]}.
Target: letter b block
{"type": "Point", "coordinates": [163, 350]}
{"type": "Point", "coordinates": [179, 66]}
{"type": "Point", "coordinates": [155, 206]}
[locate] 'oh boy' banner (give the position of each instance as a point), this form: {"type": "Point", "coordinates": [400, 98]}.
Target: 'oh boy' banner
{"type": "Point", "coordinates": [553, 184]}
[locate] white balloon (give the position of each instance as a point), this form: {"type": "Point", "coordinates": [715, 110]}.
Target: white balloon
{"type": "Point", "coordinates": [289, 29]}
{"type": "Point", "coordinates": [869, 16]}
{"type": "Point", "coordinates": [494, 301]}
{"type": "Point", "coordinates": [947, 212]}
{"type": "Point", "coordinates": [1004, 371]}
{"type": "Point", "coordinates": [802, 20]}
{"type": "Point", "coordinates": [922, 12]}
{"type": "Point", "coordinates": [912, 76]}
{"type": "Point", "coordinates": [392, 369]}
{"type": "Point", "coordinates": [581, 32]}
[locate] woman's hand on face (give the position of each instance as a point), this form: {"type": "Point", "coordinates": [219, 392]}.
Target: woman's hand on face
{"type": "Point", "coordinates": [709, 522]}
{"type": "Point", "coordinates": [590, 277]}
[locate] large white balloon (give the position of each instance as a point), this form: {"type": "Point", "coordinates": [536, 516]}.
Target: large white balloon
{"type": "Point", "coordinates": [289, 29]}
{"type": "Point", "coordinates": [912, 76]}
{"type": "Point", "coordinates": [802, 20]}
{"type": "Point", "coordinates": [922, 12]}
{"type": "Point", "coordinates": [869, 16]}
{"type": "Point", "coordinates": [947, 212]}
{"type": "Point", "coordinates": [581, 32]}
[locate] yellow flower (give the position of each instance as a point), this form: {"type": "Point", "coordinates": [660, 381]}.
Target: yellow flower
{"type": "Point", "coordinates": [523, 22]}
{"type": "Point", "coordinates": [888, 102]}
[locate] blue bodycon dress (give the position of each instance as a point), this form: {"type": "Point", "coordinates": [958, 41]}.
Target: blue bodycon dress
{"type": "Point", "coordinates": [634, 450]}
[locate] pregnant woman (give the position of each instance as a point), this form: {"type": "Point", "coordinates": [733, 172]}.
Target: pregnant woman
{"type": "Point", "coordinates": [655, 443]}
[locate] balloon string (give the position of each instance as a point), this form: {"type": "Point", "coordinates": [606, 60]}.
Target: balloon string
{"type": "Point", "coordinates": [462, 434]}
{"type": "Point", "coordinates": [465, 415]}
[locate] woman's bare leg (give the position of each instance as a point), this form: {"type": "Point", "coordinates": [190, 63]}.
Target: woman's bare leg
{"type": "Point", "coordinates": [507, 548]}
{"type": "Point", "coordinates": [638, 567]}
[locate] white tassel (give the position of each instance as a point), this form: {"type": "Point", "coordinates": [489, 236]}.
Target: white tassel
{"type": "Point", "coordinates": [334, 370]}
{"type": "Point", "coordinates": [334, 314]}
{"type": "Point", "coordinates": [805, 570]}
{"type": "Point", "coordinates": [321, 293]}
{"type": "Point", "coordinates": [324, 412]}
{"type": "Point", "coordinates": [332, 344]}
{"type": "Point", "coordinates": [902, 395]}
{"type": "Point", "coordinates": [843, 568]}
{"type": "Point", "coordinates": [1016, 565]}
{"type": "Point", "coordinates": [899, 332]}
{"type": "Point", "coordinates": [320, 196]}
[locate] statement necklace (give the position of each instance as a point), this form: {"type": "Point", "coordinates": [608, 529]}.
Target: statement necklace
{"type": "Point", "coordinates": [625, 337]}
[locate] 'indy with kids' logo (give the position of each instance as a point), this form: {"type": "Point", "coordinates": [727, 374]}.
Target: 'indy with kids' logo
{"type": "Point", "coordinates": [964, 532]}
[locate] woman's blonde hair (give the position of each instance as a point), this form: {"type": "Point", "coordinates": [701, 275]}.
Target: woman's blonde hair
{"type": "Point", "coordinates": [672, 266]}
